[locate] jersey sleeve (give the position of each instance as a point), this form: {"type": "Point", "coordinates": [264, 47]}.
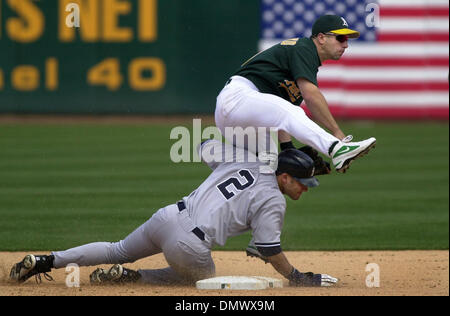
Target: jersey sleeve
{"type": "Point", "coordinates": [267, 226]}
{"type": "Point", "coordinates": [303, 64]}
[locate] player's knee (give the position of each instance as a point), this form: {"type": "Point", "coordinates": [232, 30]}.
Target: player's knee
{"type": "Point", "coordinates": [118, 253]}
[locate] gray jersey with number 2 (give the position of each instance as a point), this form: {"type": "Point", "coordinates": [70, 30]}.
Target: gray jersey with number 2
{"type": "Point", "coordinates": [236, 198]}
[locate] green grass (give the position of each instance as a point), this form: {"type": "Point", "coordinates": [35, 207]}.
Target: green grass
{"type": "Point", "coordinates": [65, 185]}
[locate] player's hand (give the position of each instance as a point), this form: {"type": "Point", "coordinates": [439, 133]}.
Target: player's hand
{"type": "Point", "coordinates": [320, 166]}
{"type": "Point", "coordinates": [310, 279]}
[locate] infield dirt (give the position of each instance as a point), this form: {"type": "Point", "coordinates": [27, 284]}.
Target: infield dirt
{"type": "Point", "coordinates": [402, 273]}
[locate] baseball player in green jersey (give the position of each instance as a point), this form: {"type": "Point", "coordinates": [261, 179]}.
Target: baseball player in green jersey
{"type": "Point", "coordinates": [267, 89]}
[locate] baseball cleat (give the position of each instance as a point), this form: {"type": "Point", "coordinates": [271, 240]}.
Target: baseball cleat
{"type": "Point", "coordinates": [252, 251]}
{"type": "Point", "coordinates": [343, 153]}
{"type": "Point", "coordinates": [115, 275]}
{"type": "Point", "coordinates": [98, 276]}
{"type": "Point", "coordinates": [32, 265]}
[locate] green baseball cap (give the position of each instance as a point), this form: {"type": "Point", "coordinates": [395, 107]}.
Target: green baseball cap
{"type": "Point", "coordinates": [333, 24]}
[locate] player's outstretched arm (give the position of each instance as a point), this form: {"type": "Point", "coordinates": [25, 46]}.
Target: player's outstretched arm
{"type": "Point", "coordinates": [281, 264]}
{"type": "Point", "coordinates": [296, 278]}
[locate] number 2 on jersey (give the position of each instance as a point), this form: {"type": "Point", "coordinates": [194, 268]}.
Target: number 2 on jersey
{"type": "Point", "coordinates": [238, 185]}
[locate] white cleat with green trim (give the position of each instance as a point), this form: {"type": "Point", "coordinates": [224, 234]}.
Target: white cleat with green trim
{"type": "Point", "coordinates": [343, 153]}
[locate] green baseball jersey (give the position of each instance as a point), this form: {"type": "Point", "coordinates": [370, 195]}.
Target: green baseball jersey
{"type": "Point", "coordinates": [277, 69]}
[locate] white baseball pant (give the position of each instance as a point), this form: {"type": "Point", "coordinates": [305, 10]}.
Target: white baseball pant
{"type": "Point", "coordinates": [241, 104]}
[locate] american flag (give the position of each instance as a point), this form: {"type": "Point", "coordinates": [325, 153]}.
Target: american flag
{"type": "Point", "coordinates": [398, 68]}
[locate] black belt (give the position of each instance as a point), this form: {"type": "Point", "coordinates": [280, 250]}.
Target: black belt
{"type": "Point", "coordinates": [197, 231]}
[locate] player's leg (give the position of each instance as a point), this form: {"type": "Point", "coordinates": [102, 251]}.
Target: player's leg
{"type": "Point", "coordinates": [165, 276]}
{"type": "Point", "coordinates": [119, 274]}
{"type": "Point", "coordinates": [170, 232]}
{"type": "Point", "coordinates": [137, 245]}
{"type": "Point", "coordinates": [242, 105]}
{"type": "Point", "coordinates": [186, 267]}
{"type": "Point", "coordinates": [189, 257]}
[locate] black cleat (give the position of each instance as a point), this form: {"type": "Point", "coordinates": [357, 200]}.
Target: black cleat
{"type": "Point", "coordinates": [116, 275]}
{"type": "Point", "coordinates": [32, 265]}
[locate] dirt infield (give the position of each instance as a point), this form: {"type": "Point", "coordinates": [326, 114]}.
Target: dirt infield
{"type": "Point", "coordinates": [422, 273]}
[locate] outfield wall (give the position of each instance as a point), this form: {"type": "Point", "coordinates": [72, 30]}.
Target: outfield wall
{"type": "Point", "coordinates": [174, 56]}
{"type": "Point", "coordinates": [142, 56]}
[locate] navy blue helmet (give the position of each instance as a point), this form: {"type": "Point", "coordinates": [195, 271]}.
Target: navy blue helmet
{"type": "Point", "coordinates": [298, 165]}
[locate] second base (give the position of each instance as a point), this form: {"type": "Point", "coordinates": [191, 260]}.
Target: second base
{"type": "Point", "coordinates": [238, 283]}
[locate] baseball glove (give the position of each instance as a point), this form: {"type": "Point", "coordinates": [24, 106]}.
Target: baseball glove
{"type": "Point", "coordinates": [321, 166]}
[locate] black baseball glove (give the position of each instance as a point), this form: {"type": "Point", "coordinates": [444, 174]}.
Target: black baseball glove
{"type": "Point", "coordinates": [321, 166]}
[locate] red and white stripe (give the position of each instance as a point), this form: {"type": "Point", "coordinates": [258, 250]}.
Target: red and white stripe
{"type": "Point", "coordinates": [415, 20]}
{"type": "Point", "coordinates": [405, 74]}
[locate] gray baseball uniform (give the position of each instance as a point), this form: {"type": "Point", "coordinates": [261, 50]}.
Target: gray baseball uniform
{"type": "Point", "coordinates": [235, 198]}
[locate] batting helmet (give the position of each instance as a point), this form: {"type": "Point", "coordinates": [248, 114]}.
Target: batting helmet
{"type": "Point", "coordinates": [298, 165]}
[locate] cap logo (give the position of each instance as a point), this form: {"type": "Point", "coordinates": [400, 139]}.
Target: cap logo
{"type": "Point", "coordinates": [344, 22]}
